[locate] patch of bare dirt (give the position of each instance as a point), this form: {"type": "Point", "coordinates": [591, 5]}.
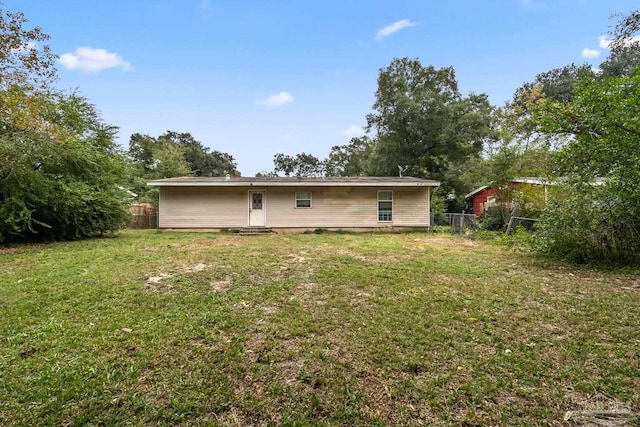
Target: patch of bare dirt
{"type": "Point", "coordinates": [7, 251]}
{"type": "Point", "coordinates": [350, 253]}
{"type": "Point", "coordinates": [221, 285]}
{"type": "Point", "coordinates": [195, 268]}
{"type": "Point", "coordinates": [158, 283]}
{"type": "Point", "coordinates": [269, 309]}
{"type": "Point", "coordinates": [360, 299]}
{"type": "Point", "coordinates": [297, 258]}
{"type": "Point", "coordinates": [233, 418]}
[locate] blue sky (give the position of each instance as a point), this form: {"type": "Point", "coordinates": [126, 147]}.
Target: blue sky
{"type": "Point", "coordinates": [253, 78]}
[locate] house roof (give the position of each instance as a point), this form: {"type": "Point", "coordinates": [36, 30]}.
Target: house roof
{"type": "Point", "coordinates": [476, 191]}
{"type": "Point", "coordinates": [534, 180]}
{"type": "Point", "coordinates": [358, 181]}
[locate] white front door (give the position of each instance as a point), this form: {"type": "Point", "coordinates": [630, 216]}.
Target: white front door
{"type": "Point", "coordinates": [256, 209]}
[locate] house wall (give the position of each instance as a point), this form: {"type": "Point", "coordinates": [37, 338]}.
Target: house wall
{"type": "Point", "coordinates": [331, 207]}
{"type": "Point", "coordinates": [202, 207]}
{"type": "Point", "coordinates": [535, 195]}
{"type": "Point", "coordinates": [480, 199]}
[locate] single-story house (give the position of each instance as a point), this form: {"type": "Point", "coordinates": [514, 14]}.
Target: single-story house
{"type": "Point", "coordinates": [484, 197]}
{"type": "Point", "coordinates": [294, 204]}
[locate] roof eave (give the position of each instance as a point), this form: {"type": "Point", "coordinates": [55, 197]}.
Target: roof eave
{"type": "Point", "coordinates": [292, 184]}
{"type": "Point", "coordinates": [476, 191]}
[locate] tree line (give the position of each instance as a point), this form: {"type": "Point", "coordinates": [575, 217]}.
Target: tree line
{"type": "Point", "coordinates": [65, 177]}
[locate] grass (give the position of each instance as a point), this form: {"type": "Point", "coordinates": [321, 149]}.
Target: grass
{"type": "Point", "coordinates": [313, 329]}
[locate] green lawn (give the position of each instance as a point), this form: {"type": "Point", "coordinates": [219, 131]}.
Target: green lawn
{"type": "Point", "coordinates": [333, 329]}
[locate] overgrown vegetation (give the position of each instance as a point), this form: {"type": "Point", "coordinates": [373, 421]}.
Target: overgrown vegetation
{"type": "Point", "coordinates": [61, 173]}
{"type": "Point", "coordinates": [313, 329]}
{"type": "Point", "coordinates": [597, 216]}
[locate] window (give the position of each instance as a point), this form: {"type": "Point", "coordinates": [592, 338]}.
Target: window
{"type": "Point", "coordinates": [303, 199]}
{"type": "Point", "coordinates": [385, 205]}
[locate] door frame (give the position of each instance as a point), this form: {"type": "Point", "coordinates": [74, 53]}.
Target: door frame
{"type": "Point", "coordinates": [264, 207]}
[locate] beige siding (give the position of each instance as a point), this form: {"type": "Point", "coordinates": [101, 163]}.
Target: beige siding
{"type": "Point", "coordinates": [336, 207]}
{"type": "Point", "coordinates": [345, 207]}
{"type": "Point", "coordinates": [203, 207]}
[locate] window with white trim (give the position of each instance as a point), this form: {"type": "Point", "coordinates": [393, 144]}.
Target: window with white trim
{"type": "Point", "coordinates": [303, 199]}
{"type": "Point", "coordinates": [385, 205]}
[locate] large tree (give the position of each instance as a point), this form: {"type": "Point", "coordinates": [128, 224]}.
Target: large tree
{"type": "Point", "coordinates": [557, 84]}
{"type": "Point", "coordinates": [61, 173]}
{"type": "Point", "coordinates": [597, 218]}
{"type": "Point", "coordinates": [300, 165]}
{"type": "Point", "coordinates": [423, 123]}
{"type": "Point", "coordinates": [173, 154]}
{"type": "Point", "coordinates": [352, 159]}
{"type": "Point", "coordinates": [24, 61]}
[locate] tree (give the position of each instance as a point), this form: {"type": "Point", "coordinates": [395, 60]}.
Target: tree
{"type": "Point", "coordinates": [557, 84]}
{"type": "Point", "coordinates": [351, 159]}
{"type": "Point", "coordinates": [61, 173]}
{"type": "Point", "coordinates": [622, 61]}
{"type": "Point", "coordinates": [598, 216]}
{"type": "Point", "coordinates": [173, 154]}
{"type": "Point", "coordinates": [624, 32]}
{"type": "Point", "coordinates": [301, 165]}
{"type": "Point", "coordinates": [23, 62]}
{"type": "Point", "coordinates": [422, 122]}
{"type": "Point", "coordinates": [200, 160]}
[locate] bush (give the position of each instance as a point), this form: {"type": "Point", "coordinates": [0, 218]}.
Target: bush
{"type": "Point", "coordinates": [495, 218]}
{"type": "Point", "coordinates": [62, 177]}
{"type": "Point", "coordinates": [593, 224]}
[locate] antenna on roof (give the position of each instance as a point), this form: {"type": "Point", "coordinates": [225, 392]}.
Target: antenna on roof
{"type": "Point", "coordinates": [402, 169]}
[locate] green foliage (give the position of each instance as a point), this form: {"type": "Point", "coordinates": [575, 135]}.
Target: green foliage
{"type": "Point", "coordinates": [622, 61]}
{"type": "Point", "coordinates": [300, 165]}
{"type": "Point", "coordinates": [352, 159]}
{"type": "Point", "coordinates": [521, 240]}
{"type": "Point", "coordinates": [199, 159]}
{"type": "Point", "coordinates": [496, 217]}
{"type": "Point", "coordinates": [558, 84]}
{"type": "Point", "coordinates": [423, 122]}
{"type": "Point", "coordinates": [62, 175]}
{"type": "Point", "coordinates": [24, 61]}
{"type": "Point", "coordinates": [592, 222]}
{"type": "Point", "coordinates": [170, 155]}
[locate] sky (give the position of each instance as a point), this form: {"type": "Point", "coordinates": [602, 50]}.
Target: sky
{"type": "Point", "coordinates": [255, 78]}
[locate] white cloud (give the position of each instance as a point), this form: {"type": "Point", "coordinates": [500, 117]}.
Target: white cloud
{"type": "Point", "coordinates": [353, 131]}
{"type": "Point", "coordinates": [90, 60]}
{"type": "Point", "coordinates": [278, 99]}
{"type": "Point", "coordinates": [604, 42]}
{"type": "Point", "coordinates": [396, 26]}
{"type": "Point", "coordinates": [590, 53]}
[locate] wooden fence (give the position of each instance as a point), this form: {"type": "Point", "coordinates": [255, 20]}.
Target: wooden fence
{"type": "Point", "coordinates": [143, 215]}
